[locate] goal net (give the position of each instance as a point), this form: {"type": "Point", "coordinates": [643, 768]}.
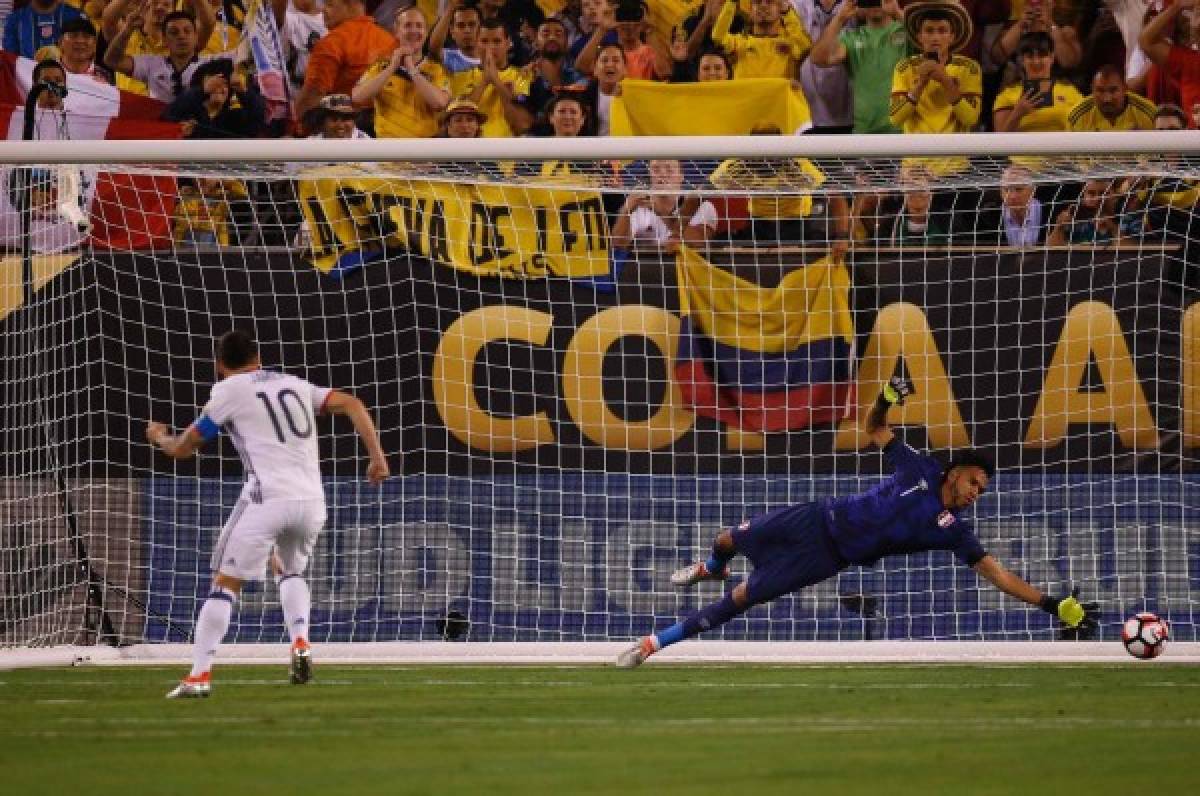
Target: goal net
{"type": "Point", "coordinates": [585, 363]}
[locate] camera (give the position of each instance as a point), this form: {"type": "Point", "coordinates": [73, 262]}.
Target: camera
{"type": "Point", "coordinates": [70, 187]}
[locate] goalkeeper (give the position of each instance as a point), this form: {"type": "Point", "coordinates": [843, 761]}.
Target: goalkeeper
{"type": "Point", "coordinates": [915, 510]}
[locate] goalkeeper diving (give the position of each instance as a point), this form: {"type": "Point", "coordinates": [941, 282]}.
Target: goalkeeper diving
{"type": "Point", "coordinates": [917, 509]}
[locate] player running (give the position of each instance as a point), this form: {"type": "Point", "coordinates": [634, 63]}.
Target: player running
{"type": "Point", "coordinates": [913, 511]}
{"type": "Point", "coordinates": [270, 417]}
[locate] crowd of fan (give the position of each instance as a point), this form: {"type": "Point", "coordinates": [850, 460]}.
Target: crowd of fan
{"type": "Point", "coordinates": [496, 68]}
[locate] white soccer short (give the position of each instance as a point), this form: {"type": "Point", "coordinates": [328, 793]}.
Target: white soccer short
{"type": "Point", "coordinates": [289, 526]}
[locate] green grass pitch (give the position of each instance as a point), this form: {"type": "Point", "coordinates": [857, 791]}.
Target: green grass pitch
{"type": "Point", "coordinates": [890, 730]}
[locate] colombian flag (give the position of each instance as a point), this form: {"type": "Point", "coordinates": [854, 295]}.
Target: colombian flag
{"type": "Point", "coordinates": [765, 359]}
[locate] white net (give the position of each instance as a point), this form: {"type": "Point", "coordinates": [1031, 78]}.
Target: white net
{"type": "Point", "coordinates": [583, 370]}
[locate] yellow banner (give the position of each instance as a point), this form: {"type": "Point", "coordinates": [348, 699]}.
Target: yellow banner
{"type": "Point", "coordinates": [731, 107]}
{"type": "Point", "coordinates": [811, 303]}
{"type": "Point", "coordinates": [488, 230]}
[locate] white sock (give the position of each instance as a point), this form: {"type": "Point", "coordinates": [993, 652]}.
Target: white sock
{"type": "Point", "coordinates": [211, 624]}
{"type": "Point", "coordinates": [296, 602]}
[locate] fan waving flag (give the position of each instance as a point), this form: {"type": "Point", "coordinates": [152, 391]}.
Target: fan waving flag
{"type": "Point", "coordinates": [262, 45]}
{"type": "Point", "coordinates": [765, 359]}
{"type": "Point", "coordinates": [127, 211]}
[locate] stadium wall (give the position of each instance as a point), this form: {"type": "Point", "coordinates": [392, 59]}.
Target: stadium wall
{"type": "Point", "coordinates": [577, 557]}
{"type": "Point", "coordinates": [138, 330]}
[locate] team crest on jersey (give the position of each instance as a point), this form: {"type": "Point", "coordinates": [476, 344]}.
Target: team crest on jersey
{"type": "Point", "coordinates": [945, 519]}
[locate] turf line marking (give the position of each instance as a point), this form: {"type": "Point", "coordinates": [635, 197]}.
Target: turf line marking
{"type": "Point", "coordinates": [59, 701]}
{"type": "Point", "coordinates": [741, 686]}
{"type": "Point", "coordinates": [632, 682]}
{"type": "Point", "coordinates": [655, 728]}
{"type": "Point", "coordinates": [751, 722]}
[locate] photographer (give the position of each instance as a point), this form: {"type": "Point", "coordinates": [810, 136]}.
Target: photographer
{"type": "Point", "coordinates": [54, 76]}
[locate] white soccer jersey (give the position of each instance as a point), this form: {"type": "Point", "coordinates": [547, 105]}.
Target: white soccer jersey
{"type": "Point", "coordinates": [270, 418]}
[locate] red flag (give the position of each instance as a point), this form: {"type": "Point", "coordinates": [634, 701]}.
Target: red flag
{"type": "Point", "coordinates": [127, 211]}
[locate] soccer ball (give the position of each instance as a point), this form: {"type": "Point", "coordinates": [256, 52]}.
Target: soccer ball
{"type": "Point", "coordinates": [1145, 636]}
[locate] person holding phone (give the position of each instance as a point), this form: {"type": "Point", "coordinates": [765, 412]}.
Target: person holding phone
{"type": "Point", "coordinates": [938, 90]}
{"type": "Point", "coordinates": [1060, 21]}
{"type": "Point", "coordinates": [1040, 102]}
{"type": "Point", "coordinates": [870, 51]}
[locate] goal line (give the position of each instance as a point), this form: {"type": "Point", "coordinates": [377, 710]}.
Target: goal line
{"type": "Point", "coordinates": [782, 653]}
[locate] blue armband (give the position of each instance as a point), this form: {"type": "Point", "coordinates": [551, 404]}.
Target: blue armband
{"type": "Point", "coordinates": [207, 428]}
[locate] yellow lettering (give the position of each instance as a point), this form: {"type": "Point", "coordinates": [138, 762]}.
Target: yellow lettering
{"type": "Point", "coordinates": [45, 268]}
{"type": "Point", "coordinates": [583, 380]}
{"type": "Point", "coordinates": [1191, 376]}
{"type": "Point", "coordinates": [740, 441]}
{"type": "Point", "coordinates": [1092, 329]}
{"type": "Point", "coordinates": [901, 331]}
{"type": "Point", "coordinates": [454, 389]}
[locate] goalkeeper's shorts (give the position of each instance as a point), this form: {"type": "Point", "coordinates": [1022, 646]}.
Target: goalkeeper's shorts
{"type": "Point", "coordinates": [790, 549]}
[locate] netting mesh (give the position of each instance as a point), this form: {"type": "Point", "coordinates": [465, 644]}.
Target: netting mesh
{"type": "Point", "coordinates": [583, 370]}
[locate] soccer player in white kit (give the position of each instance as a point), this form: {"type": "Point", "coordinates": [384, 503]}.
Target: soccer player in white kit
{"type": "Point", "coordinates": [271, 419]}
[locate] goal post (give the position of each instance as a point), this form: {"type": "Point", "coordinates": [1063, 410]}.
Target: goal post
{"type": "Point", "coordinates": [585, 358]}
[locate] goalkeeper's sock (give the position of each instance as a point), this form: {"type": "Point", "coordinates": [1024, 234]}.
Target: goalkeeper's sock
{"type": "Point", "coordinates": [296, 601]}
{"type": "Point", "coordinates": [718, 559]}
{"type": "Point", "coordinates": [715, 565]}
{"type": "Point", "coordinates": [708, 617]}
{"type": "Point", "coordinates": [211, 624]}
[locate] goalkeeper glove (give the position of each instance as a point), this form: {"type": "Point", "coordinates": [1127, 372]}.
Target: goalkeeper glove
{"type": "Point", "coordinates": [1077, 617]}
{"type": "Point", "coordinates": [895, 391]}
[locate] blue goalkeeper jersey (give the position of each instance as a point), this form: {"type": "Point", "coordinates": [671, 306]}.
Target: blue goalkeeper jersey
{"type": "Point", "coordinates": [903, 514]}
